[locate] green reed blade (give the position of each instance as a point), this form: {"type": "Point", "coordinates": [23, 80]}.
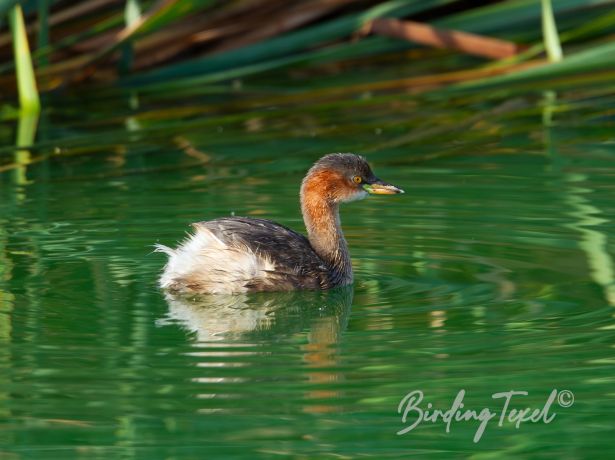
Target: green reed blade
{"type": "Point", "coordinates": [26, 82]}
{"type": "Point", "coordinates": [285, 46]}
{"type": "Point", "coordinates": [549, 31]}
{"type": "Point", "coordinates": [596, 58]}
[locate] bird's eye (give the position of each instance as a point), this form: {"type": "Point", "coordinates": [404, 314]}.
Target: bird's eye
{"type": "Point", "coordinates": [357, 179]}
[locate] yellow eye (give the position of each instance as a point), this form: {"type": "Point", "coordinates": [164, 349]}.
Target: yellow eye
{"type": "Point", "coordinates": [357, 179]}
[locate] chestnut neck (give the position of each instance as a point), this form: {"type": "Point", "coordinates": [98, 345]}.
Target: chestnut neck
{"type": "Point", "coordinates": [320, 212]}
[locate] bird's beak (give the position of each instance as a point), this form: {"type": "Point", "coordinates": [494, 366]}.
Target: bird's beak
{"type": "Point", "coordinates": [379, 187]}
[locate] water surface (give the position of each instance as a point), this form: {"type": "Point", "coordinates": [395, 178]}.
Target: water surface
{"type": "Point", "coordinates": [494, 272]}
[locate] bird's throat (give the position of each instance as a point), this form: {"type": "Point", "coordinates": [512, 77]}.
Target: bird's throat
{"type": "Point", "coordinates": [322, 221]}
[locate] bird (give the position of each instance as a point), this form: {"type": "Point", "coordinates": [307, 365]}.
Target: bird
{"type": "Point", "coordinates": [232, 255]}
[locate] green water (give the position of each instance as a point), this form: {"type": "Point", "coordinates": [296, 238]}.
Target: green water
{"type": "Point", "coordinates": [494, 272]}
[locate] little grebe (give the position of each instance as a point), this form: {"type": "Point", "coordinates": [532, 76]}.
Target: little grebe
{"type": "Point", "coordinates": [240, 254]}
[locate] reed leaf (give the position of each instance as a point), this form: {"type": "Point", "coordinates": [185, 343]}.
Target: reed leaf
{"type": "Point", "coordinates": [26, 83]}
{"type": "Point", "coordinates": [549, 32]}
{"type": "Point", "coordinates": [276, 49]}
{"type": "Point", "coordinates": [236, 40]}
{"type": "Point", "coordinates": [598, 58]}
{"type": "Point", "coordinates": [500, 18]}
{"type": "Point", "coordinates": [289, 49]}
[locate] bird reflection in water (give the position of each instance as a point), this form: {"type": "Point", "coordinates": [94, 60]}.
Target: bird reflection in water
{"type": "Point", "coordinates": [247, 321]}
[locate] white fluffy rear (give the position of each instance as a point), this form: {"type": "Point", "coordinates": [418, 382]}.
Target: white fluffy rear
{"type": "Point", "coordinates": [204, 264]}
